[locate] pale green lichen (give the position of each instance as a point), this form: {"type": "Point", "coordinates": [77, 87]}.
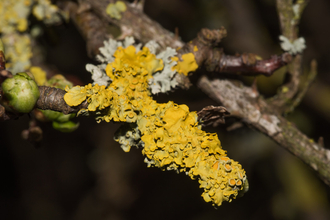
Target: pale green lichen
{"type": "Point", "coordinates": [163, 81]}
{"type": "Point", "coordinates": [115, 10]}
{"type": "Point", "coordinates": [295, 47]}
{"type": "Point", "coordinates": [98, 74]}
{"type": "Point", "coordinates": [152, 46]}
{"type": "Point", "coordinates": [296, 10]}
{"type": "Point", "coordinates": [128, 136]}
{"type": "Point", "coordinates": [110, 47]}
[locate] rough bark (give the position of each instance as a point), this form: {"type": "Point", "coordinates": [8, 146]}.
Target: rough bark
{"type": "Point", "coordinates": [245, 103]}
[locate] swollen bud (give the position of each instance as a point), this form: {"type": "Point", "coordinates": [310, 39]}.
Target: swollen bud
{"type": "Point", "coordinates": [67, 126]}
{"type": "Point", "coordinates": [20, 93]}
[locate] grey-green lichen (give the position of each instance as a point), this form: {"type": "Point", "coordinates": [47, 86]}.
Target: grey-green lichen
{"type": "Point", "coordinates": [115, 10]}
{"type": "Point", "coordinates": [128, 135]}
{"type": "Point", "coordinates": [164, 80]}
{"type": "Point", "coordinates": [295, 47]}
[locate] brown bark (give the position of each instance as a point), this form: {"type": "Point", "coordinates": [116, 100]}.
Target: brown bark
{"type": "Point", "coordinates": [243, 102]}
{"type": "Point", "coordinates": [52, 98]}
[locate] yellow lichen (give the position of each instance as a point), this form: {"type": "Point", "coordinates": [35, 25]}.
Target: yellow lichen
{"type": "Point", "coordinates": [115, 10]}
{"type": "Point", "coordinates": [97, 96]}
{"type": "Point", "coordinates": [170, 134]}
{"type": "Point", "coordinates": [285, 89]}
{"type": "Point", "coordinates": [188, 64]}
{"type": "Point", "coordinates": [39, 75]}
{"type": "Point", "coordinates": [195, 48]}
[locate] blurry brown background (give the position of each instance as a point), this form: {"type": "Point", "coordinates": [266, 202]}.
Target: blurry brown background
{"type": "Point", "coordinates": [86, 175]}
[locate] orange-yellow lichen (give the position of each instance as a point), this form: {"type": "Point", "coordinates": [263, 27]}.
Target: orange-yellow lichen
{"type": "Point", "coordinates": [169, 133]}
{"type": "Point", "coordinates": [195, 48]}
{"type": "Point", "coordinates": [39, 75]}
{"type": "Point", "coordinates": [188, 64]}
{"type": "Point", "coordinates": [97, 96]}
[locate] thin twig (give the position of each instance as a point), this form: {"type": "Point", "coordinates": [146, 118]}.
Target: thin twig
{"type": "Point", "coordinates": [289, 19]}
{"type": "Point", "coordinates": [90, 26]}
{"type": "Point", "coordinates": [301, 94]}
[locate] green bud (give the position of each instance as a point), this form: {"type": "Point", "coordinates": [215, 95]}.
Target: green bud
{"type": "Point", "coordinates": [20, 93]}
{"type": "Point", "coordinates": [68, 126]}
{"type": "Point", "coordinates": [63, 117]}
{"type": "Point", "coordinates": [57, 116]}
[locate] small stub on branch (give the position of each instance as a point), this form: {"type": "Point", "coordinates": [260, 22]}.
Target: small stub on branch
{"type": "Point", "coordinates": [213, 115]}
{"type": "Point", "coordinates": [212, 37]}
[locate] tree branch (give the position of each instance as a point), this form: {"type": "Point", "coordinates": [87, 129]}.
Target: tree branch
{"type": "Point", "coordinates": [208, 54]}
{"type": "Point", "coordinates": [289, 20]}
{"type": "Point", "coordinates": [135, 23]}
{"type": "Point", "coordinates": [52, 98]}
{"type": "Point", "coordinates": [90, 26]}
{"type": "Point", "coordinates": [243, 102]}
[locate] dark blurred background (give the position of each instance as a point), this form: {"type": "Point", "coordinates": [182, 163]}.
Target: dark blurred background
{"type": "Point", "coordinates": [86, 175]}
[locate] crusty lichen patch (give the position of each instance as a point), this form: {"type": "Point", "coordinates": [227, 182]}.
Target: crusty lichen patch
{"type": "Point", "coordinates": [170, 134]}
{"type": "Point", "coordinates": [115, 10]}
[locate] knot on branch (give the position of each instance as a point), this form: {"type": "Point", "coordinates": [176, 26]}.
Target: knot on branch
{"type": "Point", "coordinates": [212, 37]}
{"type": "Point", "coordinates": [213, 115]}
{"type": "Point", "coordinates": [52, 98]}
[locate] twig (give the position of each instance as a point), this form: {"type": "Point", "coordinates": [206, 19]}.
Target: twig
{"type": "Point", "coordinates": [137, 24]}
{"type": "Point", "coordinates": [213, 59]}
{"type": "Point", "coordinates": [139, 4]}
{"type": "Point", "coordinates": [89, 25]}
{"type": "Point", "coordinates": [2, 61]}
{"type": "Point", "coordinates": [289, 19]}
{"type": "Point", "coordinates": [301, 94]}
{"type": "Point", "coordinates": [33, 134]}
